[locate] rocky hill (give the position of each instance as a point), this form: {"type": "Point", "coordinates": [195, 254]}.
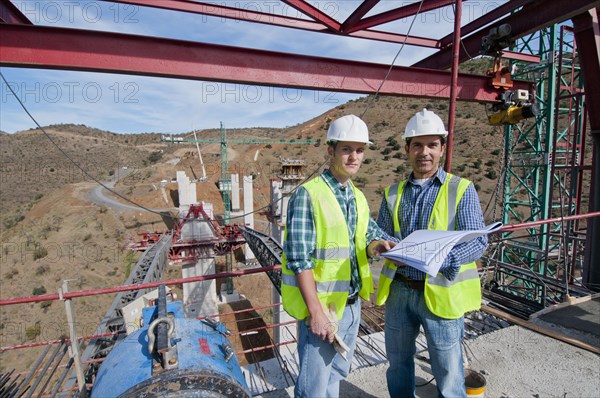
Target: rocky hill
{"type": "Point", "coordinates": [51, 231]}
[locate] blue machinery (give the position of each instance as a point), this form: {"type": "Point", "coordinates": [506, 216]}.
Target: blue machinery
{"type": "Point", "coordinates": [172, 356]}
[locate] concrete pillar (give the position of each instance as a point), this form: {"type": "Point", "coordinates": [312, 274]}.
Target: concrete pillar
{"type": "Point", "coordinates": [248, 202]}
{"type": "Point", "coordinates": [286, 333]}
{"type": "Point", "coordinates": [235, 192]}
{"type": "Point", "coordinates": [276, 197]}
{"type": "Point", "coordinates": [186, 189]}
{"type": "Point", "coordinates": [200, 298]}
{"type": "Point", "coordinates": [248, 212]}
{"type": "Point", "coordinates": [277, 232]}
{"type": "Point", "coordinates": [284, 205]}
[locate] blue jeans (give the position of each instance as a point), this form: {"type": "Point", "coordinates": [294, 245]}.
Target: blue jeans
{"type": "Point", "coordinates": [321, 368]}
{"type": "Point", "coordinates": [405, 311]}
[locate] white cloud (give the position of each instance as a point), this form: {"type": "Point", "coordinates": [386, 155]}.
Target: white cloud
{"type": "Point", "coordinates": [126, 104]}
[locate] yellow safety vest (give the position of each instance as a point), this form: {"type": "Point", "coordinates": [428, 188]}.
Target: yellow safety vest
{"type": "Point", "coordinates": [446, 299]}
{"type": "Point", "coordinates": [332, 254]}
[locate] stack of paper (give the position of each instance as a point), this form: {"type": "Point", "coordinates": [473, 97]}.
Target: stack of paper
{"type": "Point", "coordinates": [426, 250]}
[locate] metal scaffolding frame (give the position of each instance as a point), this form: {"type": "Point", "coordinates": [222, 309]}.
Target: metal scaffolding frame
{"type": "Point", "coordinates": [544, 167]}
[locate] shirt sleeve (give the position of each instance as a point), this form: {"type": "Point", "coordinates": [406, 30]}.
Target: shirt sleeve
{"type": "Point", "coordinates": [469, 216]}
{"type": "Point", "coordinates": [299, 245]}
{"type": "Point", "coordinates": [384, 220]}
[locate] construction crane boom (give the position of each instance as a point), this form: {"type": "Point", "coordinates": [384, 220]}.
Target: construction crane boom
{"type": "Point", "coordinates": [224, 141]}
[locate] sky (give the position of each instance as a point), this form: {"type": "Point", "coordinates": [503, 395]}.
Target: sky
{"type": "Point", "coordinates": [137, 104]}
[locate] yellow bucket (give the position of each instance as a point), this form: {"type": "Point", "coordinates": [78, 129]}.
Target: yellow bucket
{"type": "Point", "coordinates": [474, 383]}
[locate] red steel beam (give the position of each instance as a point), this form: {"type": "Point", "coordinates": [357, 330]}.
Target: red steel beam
{"type": "Point", "coordinates": [529, 224]}
{"type": "Point", "coordinates": [587, 35]}
{"type": "Point", "coordinates": [152, 285]}
{"type": "Point", "coordinates": [485, 19]}
{"type": "Point", "coordinates": [453, 85]}
{"type": "Point", "coordinates": [249, 15]}
{"type": "Point", "coordinates": [216, 10]}
{"type": "Point", "coordinates": [11, 14]}
{"type": "Point", "coordinates": [361, 11]}
{"type": "Point", "coordinates": [534, 59]}
{"type": "Point", "coordinates": [137, 286]}
{"type": "Point", "coordinates": [533, 17]}
{"type": "Point", "coordinates": [396, 38]}
{"type": "Point", "coordinates": [399, 13]}
{"type": "Point", "coordinates": [96, 51]}
{"type": "Point", "coordinates": [314, 13]}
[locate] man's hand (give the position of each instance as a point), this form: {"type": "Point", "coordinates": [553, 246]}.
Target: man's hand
{"type": "Point", "coordinates": [321, 325]}
{"type": "Point", "coordinates": [377, 247]}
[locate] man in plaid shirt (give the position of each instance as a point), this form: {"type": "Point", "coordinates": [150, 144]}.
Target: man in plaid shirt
{"type": "Point", "coordinates": [329, 236]}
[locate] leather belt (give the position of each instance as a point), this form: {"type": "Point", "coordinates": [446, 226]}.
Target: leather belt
{"type": "Point", "coordinates": [352, 300]}
{"type": "Point", "coordinates": [416, 285]}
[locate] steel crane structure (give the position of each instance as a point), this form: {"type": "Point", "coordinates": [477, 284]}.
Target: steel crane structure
{"type": "Point", "coordinates": [27, 45]}
{"type": "Point", "coordinates": [546, 166]}
{"type": "Point", "coordinates": [224, 141]}
{"type": "Point", "coordinates": [548, 171]}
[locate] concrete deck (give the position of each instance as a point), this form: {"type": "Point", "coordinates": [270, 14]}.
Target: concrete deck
{"type": "Point", "coordinates": [516, 361]}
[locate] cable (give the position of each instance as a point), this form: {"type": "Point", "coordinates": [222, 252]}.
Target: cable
{"type": "Point", "coordinates": [66, 155]}
{"type": "Point", "coordinates": [424, 384]}
{"type": "Point", "coordinates": [462, 44]}
{"type": "Point", "coordinates": [370, 100]}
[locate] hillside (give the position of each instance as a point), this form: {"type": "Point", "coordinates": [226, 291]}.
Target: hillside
{"type": "Point", "coordinates": [52, 232]}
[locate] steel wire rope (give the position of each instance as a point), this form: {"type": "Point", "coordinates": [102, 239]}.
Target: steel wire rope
{"type": "Point", "coordinates": [371, 98]}
{"type": "Point", "coordinates": [365, 111]}
{"type": "Point", "coordinates": [66, 155]}
{"type": "Point", "coordinates": [500, 183]}
{"type": "Point", "coordinates": [462, 44]}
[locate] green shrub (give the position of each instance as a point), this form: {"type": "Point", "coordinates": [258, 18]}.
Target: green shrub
{"type": "Point", "coordinates": [360, 181]}
{"type": "Point", "coordinates": [155, 157]}
{"type": "Point", "coordinates": [491, 174]}
{"type": "Point", "coordinates": [32, 332]}
{"type": "Point", "coordinates": [400, 169]}
{"type": "Point", "coordinates": [39, 252]}
{"type": "Point", "coordinates": [38, 291]}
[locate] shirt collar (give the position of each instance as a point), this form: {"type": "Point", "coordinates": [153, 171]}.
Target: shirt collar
{"type": "Point", "coordinates": [440, 176]}
{"type": "Point", "coordinates": [333, 183]}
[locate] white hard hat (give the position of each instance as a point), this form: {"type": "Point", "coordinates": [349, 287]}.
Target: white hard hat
{"type": "Point", "coordinates": [348, 128]}
{"type": "Point", "coordinates": [424, 123]}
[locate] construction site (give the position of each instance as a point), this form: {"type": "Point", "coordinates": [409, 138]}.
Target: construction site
{"type": "Point", "coordinates": [210, 279]}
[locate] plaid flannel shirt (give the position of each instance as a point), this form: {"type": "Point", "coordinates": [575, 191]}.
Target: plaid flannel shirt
{"type": "Point", "coordinates": [300, 243]}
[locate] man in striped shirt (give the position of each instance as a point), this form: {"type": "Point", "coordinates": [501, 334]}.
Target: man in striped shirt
{"type": "Point", "coordinates": [429, 199]}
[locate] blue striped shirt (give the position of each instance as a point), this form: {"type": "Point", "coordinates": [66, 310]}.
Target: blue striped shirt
{"type": "Point", "coordinates": [415, 211]}
{"type": "Point", "coordinates": [300, 243]}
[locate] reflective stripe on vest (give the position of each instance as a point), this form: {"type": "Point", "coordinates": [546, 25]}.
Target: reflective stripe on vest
{"type": "Point", "coordinates": [392, 201]}
{"type": "Point", "coordinates": [447, 299]}
{"type": "Point", "coordinates": [332, 272]}
{"type": "Point", "coordinates": [322, 287]}
{"type": "Point", "coordinates": [330, 253]}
